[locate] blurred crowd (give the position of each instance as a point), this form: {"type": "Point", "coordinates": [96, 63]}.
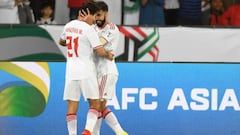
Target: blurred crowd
{"type": "Point", "coordinates": [151, 12]}
{"type": "Point", "coordinates": [190, 12]}
{"type": "Point", "coordinates": [34, 11]}
{"type": "Point", "coordinates": [27, 11]}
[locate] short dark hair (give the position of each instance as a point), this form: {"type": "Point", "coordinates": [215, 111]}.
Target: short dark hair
{"type": "Point", "coordinates": [91, 6]}
{"type": "Point", "coordinates": [46, 5]}
{"type": "Point", "coordinates": [102, 6]}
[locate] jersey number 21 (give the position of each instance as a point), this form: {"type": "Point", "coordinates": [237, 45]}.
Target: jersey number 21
{"type": "Point", "coordinates": [72, 45]}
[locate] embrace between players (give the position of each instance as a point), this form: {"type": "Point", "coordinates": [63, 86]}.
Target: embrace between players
{"type": "Point", "coordinates": [91, 69]}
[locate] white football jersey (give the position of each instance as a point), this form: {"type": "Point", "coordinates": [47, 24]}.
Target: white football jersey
{"type": "Point", "coordinates": [81, 39]}
{"type": "Point", "coordinates": [110, 33]}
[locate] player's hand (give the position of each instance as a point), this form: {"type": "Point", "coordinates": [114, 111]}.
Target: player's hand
{"type": "Point", "coordinates": [84, 16]}
{"type": "Point", "coordinates": [110, 55]}
{"type": "Point", "coordinates": [62, 42]}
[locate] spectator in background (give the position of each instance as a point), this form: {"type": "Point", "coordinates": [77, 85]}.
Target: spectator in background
{"type": "Point", "coordinates": [46, 15]}
{"type": "Point", "coordinates": [9, 11]}
{"type": "Point", "coordinates": [37, 5]}
{"type": "Point", "coordinates": [232, 15]}
{"type": "Point", "coordinates": [151, 12]}
{"type": "Point", "coordinates": [190, 12]}
{"type": "Point", "coordinates": [171, 9]}
{"type": "Point", "coordinates": [217, 9]}
{"type": "Point", "coordinates": [25, 12]}
{"type": "Point", "coordinates": [74, 6]}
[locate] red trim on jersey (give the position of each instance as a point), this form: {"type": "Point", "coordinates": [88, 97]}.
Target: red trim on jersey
{"type": "Point", "coordinates": [112, 26]}
{"type": "Point", "coordinates": [102, 85]}
{"type": "Point", "coordinates": [98, 46]}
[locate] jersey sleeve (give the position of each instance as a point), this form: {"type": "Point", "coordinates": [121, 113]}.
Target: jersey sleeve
{"type": "Point", "coordinates": [115, 41]}
{"type": "Point", "coordinates": [93, 37]}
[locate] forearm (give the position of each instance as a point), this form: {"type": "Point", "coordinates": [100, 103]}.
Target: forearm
{"type": "Point", "coordinates": [103, 53]}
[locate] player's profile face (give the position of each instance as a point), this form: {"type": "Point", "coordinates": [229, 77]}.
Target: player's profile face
{"type": "Point", "coordinates": [100, 18]}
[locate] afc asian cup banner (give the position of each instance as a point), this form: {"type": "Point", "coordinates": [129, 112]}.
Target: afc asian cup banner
{"type": "Point", "coordinates": [179, 44]}
{"type": "Point", "coordinates": [164, 44]}
{"type": "Point", "coordinates": [152, 98]}
{"type": "Point", "coordinates": [172, 44]}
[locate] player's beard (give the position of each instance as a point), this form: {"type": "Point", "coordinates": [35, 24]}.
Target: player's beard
{"type": "Point", "coordinates": [100, 23]}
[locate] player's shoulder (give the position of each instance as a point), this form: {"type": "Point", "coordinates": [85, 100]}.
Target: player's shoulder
{"type": "Point", "coordinates": [112, 26]}
{"type": "Point", "coordinates": [77, 23]}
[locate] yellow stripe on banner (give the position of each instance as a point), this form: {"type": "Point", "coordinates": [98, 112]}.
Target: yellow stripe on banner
{"type": "Point", "coordinates": [44, 65]}
{"type": "Point", "coordinates": [26, 76]}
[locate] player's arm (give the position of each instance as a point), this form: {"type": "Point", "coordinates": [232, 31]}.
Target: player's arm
{"type": "Point", "coordinates": [97, 45]}
{"type": "Point", "coordinates": [103, 53]}
{"type": "Point", "coordinates": [62, 42]}
{"type": "Point", "coordinates": [62, 39]}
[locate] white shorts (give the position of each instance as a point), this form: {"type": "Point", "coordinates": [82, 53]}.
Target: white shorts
{"type": "Point", "coordinates": [74, 88]}
{"type": "Point", "coordinates": [107, 86]}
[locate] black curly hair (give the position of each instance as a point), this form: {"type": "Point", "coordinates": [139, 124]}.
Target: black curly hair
{"type": "Point", "coordinates": [102, 6]}
{"type": "Point", "coordinates": [91, 6]}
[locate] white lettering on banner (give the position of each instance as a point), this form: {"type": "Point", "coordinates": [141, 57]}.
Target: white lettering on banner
{"type": "Point", "coordinates": [128, 96]}
{"type": "Point", "coordinates": [178, 99]}
{"type": "Point", "coordinates": [143, 94]}
{"type": "Point", "coordinates": [214, 103]}
{"type": "Point", "coordinates": [201, 100]}
{"type": "Point", "coordinates": [202, 103]}
{"type": "Point", "coordinates": [229, 100]}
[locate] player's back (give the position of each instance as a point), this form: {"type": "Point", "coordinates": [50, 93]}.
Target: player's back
{"type": "Point", "coordinates": [80, 49]}
{"type": "Point", "coordinates": [77, 39]}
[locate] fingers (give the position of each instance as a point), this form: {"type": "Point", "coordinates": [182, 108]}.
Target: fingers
{"type": "Point", "coordinates": [83, 13]}
{"type": "Point", "coordinates": [88, 12]}
{"type": "Point", "coordinates": [110, 56]}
